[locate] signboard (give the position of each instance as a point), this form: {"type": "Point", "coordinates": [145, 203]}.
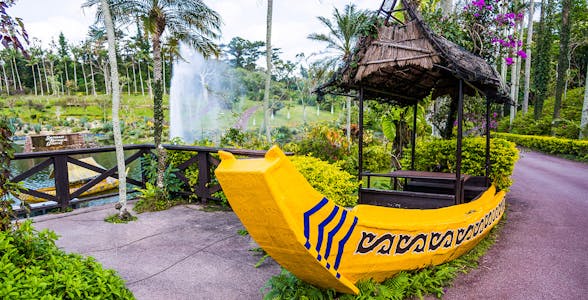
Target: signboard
{"type": "Point", "coordinates": [35, 143]}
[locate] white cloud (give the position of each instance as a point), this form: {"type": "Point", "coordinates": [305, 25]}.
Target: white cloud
{"type": "Point", "coordinates": [293, 20]}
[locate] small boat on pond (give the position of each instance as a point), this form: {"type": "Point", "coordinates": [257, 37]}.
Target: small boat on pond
{"type": "Point", "coordinates": [78, 176]}
{"type": "Point", "coordinates": [334, 247]}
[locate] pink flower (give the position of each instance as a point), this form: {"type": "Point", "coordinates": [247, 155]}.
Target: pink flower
{"type": "Point", "coordinates": [479, 3]}
{"type": "Point", "coordinates": [522, 54]}
{"type": "Point", "coordinates": [509, 60]}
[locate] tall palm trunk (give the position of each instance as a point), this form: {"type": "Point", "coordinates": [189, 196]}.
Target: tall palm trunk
{"type": "Point", "coordinates": [6, 80]}
{"type": "Point", "coordinates": [62, 85]}
{"type": "Point", "coordinates": [158, 107]}
{"type": "Point", "coordinates": [92, 78]}
{"type": "Point", "coordinates": [75, 71]}
{"type": "Point", "coordinates": [45, 72]}
{"type": "Point", "coordinates": [107, 86]}
{"type": "Point", "coordinates": [128, 81]}
{"type": "Point", "coordinates": [120, 155]}
{"type": "Point", "coordinates": [54, 88]}
{"type": "Point", "coordinates": [528, 59]}
{"type": "Point", "coordinates": [17, 73]}
{"type": "Point", "coordinates": [85, 78]}
{"type": "Point", "coordinates": [40, 80]}
{"type": "Point", "coordinates": [13, 76]}
{"type": "Point", "coordinates": [134, 77]}
{"type": "Point", "coordinates": [34, 79]}
{"type": "Point", "coordinates": [268, 78]}
{"type": "Point", "coordinates": [66, 75]}
{"type": "Point", "coordinates": [141, 78]}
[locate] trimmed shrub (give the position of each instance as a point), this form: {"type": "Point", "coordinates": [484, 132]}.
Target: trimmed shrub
{"type": "Point", "coordinates": [439, 155]}
{"type": "Point", "coordinates": [329, 179]}
{"type": "Point", "coordinates": [34, 268]}
{"type": "Point", "coordinates": [552, 145]}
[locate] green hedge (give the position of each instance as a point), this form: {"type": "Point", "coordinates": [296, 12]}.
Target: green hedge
{"type": "Point", "coordinates": [329, 179]}
{"type": "Point", "coordinates": [552, 145]}
{"type": "Point", "coordinates": [32, 267]}
{"type": "Point", "coordinates": [439, 155]}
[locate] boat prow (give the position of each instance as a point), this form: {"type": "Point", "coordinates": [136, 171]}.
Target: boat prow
{"type": "Point", "coordinates": [333, 247]}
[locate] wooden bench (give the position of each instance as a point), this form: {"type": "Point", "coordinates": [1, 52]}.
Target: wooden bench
{"type": "Point", "coordinates": [470, 192]}
{"type": "Point", "coordinates": [404, 199]}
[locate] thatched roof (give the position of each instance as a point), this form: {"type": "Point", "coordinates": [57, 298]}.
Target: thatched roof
{"type": "Point", "coordinates": [407, 61]}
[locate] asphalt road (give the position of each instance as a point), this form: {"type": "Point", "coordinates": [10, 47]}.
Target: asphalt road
{"type": "Point", "coordinates": [542, 252]}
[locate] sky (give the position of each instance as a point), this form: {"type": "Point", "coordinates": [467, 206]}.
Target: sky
{"type": "Point", "coordinates": [293, 20]}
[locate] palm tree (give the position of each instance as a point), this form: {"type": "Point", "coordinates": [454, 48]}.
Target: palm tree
{"type": "Point", "coordinates": [120, 155]}
{"type": "Point", "coordinates": [268, 76]}
{"type": "Point", "coordinates": [344, 31]}
{"type": "Point", "coordinates": [191, 21]}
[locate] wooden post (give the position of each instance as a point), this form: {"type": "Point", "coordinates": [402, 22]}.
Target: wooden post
{"type": "Point", "coordinates": [360, 138]}
{"type": "Point", "coordinates": [413, 137]}
{"type": "Point", "coordinates": [61, 181]}
{"type": "Point", "coordinates": [458, 183]}
{"type": "Point", "coordinates": [203, 176]}
{"type": "Point", "coordinates": [487, 166]}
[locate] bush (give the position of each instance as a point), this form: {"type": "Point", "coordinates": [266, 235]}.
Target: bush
{"type": "Point", "coordinates": [34, 268]}
{"type": "Point", "coordinates": [439, 155]}
{"type": "Point", "coordinates": [376, 158]}
{"type": "Point", "coordinates": [578, 149]}
{"type": "Point", "coordinates": [567, 126]}
{"type": "Point", "coordinates": [337, 185]}
{"type": "Point", "coordinates": [324, 142]}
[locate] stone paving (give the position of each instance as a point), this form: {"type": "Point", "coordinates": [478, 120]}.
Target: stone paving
{"type": "Point", "coordinates": [180, 253]}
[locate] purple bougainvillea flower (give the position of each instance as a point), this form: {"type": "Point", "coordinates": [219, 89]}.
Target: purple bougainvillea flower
{"type": "Point", "coordinates": [509, 60]}
{"type": "Point", "coordinates": [522, 54]}
{"type": "Point", "coordinates": [479, 3]}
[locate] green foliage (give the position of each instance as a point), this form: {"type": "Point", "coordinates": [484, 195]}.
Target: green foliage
{"type": "Point", "coordinates": [404, 285]}
{"type": "Point", "coordinates": [236, 138]}
{"type": "Point", "coordinates": [115, 219]}
{"type": "Point", "coordinates": [6, 187]}
{"type": "Point", "coordinates": [324, 142]}
{"type": "Point", "coordinates": [286, 286]}
{"type": "Point", "coordinates": [566, 126]}
{"type": "Point", "coordinates": [577, 149]}
{"type": "Point", "coordinates": [33, 267]}
{"type": "Point", "coordinates": [439, 155]}
{"type": "Point", "coordinates": [337, 185]}
{"type": "Point", "coordinates": [152, 199]}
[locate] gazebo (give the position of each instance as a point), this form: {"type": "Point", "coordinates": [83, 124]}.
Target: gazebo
{"type": "Point", "coordinates": [404, 63]}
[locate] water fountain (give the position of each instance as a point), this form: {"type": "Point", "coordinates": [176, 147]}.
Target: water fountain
{"type": "Point", "coordinates": [198, 88]}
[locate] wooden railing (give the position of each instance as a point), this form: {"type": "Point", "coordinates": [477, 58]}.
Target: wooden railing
{"type": "Point", "coordinates": [63, 198]}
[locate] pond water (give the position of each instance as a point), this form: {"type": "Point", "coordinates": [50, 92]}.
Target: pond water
{"type": "Point", "coordinates": [43, 178]}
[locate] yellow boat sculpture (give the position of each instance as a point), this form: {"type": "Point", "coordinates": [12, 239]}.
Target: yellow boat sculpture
{"type": "Point", "coordinates": [334, 247]}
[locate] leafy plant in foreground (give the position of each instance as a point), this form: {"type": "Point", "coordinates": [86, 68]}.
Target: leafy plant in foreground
{"type": "Point", "coordinates": [33, 267]}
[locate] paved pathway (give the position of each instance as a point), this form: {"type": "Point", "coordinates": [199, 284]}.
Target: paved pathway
{"type": "Point", "coordinates": [244, 118]}
{"type": "Point", "coordinates": [542, 252]}
{"type": "Point", "coordinates": [181, 253]}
